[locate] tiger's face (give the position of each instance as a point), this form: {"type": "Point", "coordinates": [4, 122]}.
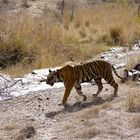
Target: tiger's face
{"type": "Point", "coordinates": [51, 78]}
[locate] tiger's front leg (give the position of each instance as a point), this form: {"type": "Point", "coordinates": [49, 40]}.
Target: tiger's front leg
{"type": "Point", "coordinates": [79, 91]}
{"type": "Point", "coordinates": [98, 81]}
{"type": "Point", "coordinates": [66, 94]}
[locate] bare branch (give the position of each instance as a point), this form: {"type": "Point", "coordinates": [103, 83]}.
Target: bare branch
{"type": "Point", "coordinates": [4, 78]}
{"type": "Point", "coordinates": [62, 7]}
{"type": "Point", "coordinates": [6, 87]}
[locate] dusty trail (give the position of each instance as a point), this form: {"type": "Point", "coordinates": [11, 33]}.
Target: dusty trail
{"type": "Point", "coordinates": [104, 116]}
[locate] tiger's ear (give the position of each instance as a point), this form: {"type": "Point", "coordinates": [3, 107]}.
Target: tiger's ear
{"type": "Point", "coordinates": [50, 70]}
{"type": "Point", "coordinates": [126, 73]}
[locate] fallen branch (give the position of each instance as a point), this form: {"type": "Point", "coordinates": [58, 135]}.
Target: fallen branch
{"type": "Point", "coordinates": [6, 87]}
{"type": "Point", "coordinates": [4, 78]}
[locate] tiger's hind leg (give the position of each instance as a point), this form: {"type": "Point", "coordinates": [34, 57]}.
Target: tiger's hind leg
{"type": "Point", "coordinates": [79, 91]}
{"type": "Point", "coordinates": [98, 81]}
{"type": "Point", "coordinates": [112, 82]}
{"type": "Point", "coordinates": [115, 86]}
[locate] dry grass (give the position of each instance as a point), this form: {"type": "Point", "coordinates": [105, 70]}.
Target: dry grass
{"type": "Point", "coordinates": [86, 120]}
{"type": "Point", "coordinates": [94, 111]}
{"type": "Point", "coordinates": [132, 103]}
{"type": "Point", "coordinates": [135, 122]}
{"type": "Point", "coordinates": [91, 112]}
{"type": "Point", "coordinates": [87, 128]}
{"type": "Point", "coordinates": [87, 132]}
{"type": "Point", "coordinates": [117, 35]}
{"type": "Point", "coordinates": [11, 126]}
{"type": "Point", "coordinates": [27, 132]}
{"type": "Point", "coordinates": [68, 126]}
{"type": "Point", "coordinates": [43, 44]}
{"type": "Point", "coordinates": [34, 45]}
{"type": "Point", "coordinates": [132, 61]}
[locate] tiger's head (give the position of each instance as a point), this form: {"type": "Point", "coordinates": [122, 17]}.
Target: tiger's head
{"type": "Point", "coordinates": [52, 78]}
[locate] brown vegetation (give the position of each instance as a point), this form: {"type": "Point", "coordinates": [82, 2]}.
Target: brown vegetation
{"type": "Point", "coordinates": [135, 122]}
{"type": "Point", "coordinates": [132, 62]}
{"type": "Point", "coordinates": [27, 132]}
{"type": "Point", "coordinates": [133, 101]}
{"type": "Point", "coordinates": [37, 43]}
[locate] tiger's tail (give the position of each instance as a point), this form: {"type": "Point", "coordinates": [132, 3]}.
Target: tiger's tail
{"type": "Point", "coordinates": [116, 73]}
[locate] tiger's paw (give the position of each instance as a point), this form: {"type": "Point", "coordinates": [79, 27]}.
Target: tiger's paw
{"type": "Point", "coordinates": [94, 96]}
{"type": "Point", "coordinates": [84, 98]}
{"type": "Point", "coordinates": [63, 104]}
{"type": "Point", "coordinates": [60, 104]}
{"type": "Point", "coordinates": [115, 95]}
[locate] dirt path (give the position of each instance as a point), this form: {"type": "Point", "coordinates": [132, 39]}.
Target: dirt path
{"type": "Point", "coordinates": [101, 118]}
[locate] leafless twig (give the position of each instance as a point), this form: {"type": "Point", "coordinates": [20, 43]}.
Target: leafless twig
{"type": "Point", "coordinates": [4, 78]}
{"type": "Point", "coordinates": [5, 87]}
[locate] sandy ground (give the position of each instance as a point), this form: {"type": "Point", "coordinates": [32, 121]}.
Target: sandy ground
{"type": "Point", "coordinates": [102, 118]}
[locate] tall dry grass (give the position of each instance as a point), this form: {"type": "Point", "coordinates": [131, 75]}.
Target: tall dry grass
{"type": "Point", "coordinates": [90, 31]}
{"type": "Point", "coordinates": [132, 61]}
{"type": "Point", "coordinates": [132, 103]}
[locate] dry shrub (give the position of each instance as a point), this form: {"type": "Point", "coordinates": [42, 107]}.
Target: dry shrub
{"type": "Point", "coordinates": [103, 38]}
{"type": "Point", "coordinates": [20, 40]}
{"type": "Point", "coordinates": [66, 20]}
{"type": "Point", "coordinates": [68, 126]}
{"type": "Point", "coordinates": [87, 132]}
{"type": "Point", "coordinates": [86, 114]}
{"type": "Point", "coordinates": [78, 20]}
{"type": "Point", "coordinates": [87, 127]}
{"type": "Point", "coordinates": [10, 127]}
{"type": "Point", "coordinates": [132, 103]}
{"type": "Point", "coordinates": [136, 35]}
{"type": "Point", "coordinates": [27, 132]}
{"type": "Point", "coordinates": [82, 33]}
{"type": "Point", "coordinates": [101, 18]}
{"type": "Point", "coordinates": [132, 61]}
{"type": "Point", "coordinates": [105, 105]}
{"type": "Point", "coordinates": [32, 42]}
{"type": "Point", "coordinates": [117, 35]}
{"type": "Point", "coordinates": [39, 42]}
{"type": "Point", "coordinates": [138, 19]}
{"type": "Point", "coordinates": [93, 111]}
{"type": "Point", "coordinates": [77, 24]}
{"type": "Point", "coordinates": [18, 70]}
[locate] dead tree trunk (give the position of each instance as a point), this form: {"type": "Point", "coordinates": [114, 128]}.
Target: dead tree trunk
{"type": "Point", "coordinates": [62, 7]}
{"type": "Point", "coordinates": [72, 13]}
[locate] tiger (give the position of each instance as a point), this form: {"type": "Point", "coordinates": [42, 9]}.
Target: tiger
{"type": "Point", "coordinates": [73, 76]}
